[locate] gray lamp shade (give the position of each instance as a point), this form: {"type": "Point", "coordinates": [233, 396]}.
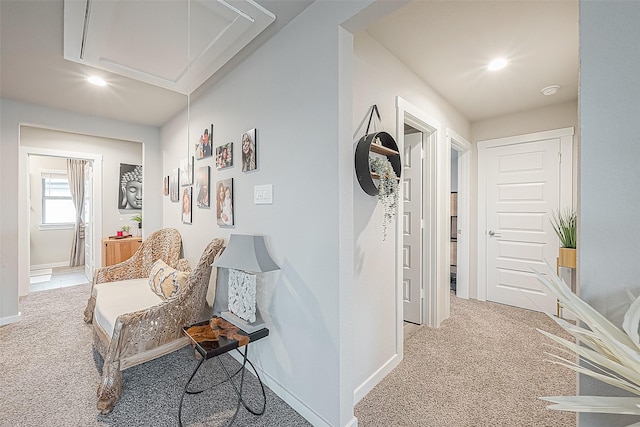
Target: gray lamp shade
{"type": "Point", "coordinates": [247, 253]}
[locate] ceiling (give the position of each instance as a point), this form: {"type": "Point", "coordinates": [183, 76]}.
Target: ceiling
{"type": "Point", "coordinates": [447, 43]}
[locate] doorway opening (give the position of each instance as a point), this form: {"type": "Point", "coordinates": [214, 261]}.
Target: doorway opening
{"type": "Point", "coordinates": [460, 223]}
{"type": "Point", "coordinates": [32, 160]}
{"type": "Point", "coordinates": [52, 223]}
{"type": "Point", "coordinates": [432, 267]}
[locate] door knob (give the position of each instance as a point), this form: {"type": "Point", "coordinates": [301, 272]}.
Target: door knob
{"type": "Point", "coordinates": [493, 234]}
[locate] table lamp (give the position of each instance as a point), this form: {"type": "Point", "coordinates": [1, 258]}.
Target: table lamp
{"type": "Point", "coordinates": [244, 256]}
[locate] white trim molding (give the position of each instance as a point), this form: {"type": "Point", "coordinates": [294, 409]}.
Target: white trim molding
{"type": "Point", "coordinates": [463, 147]}
{"type": "Point", "coordinates": [435, 238]}
{"type": "Point", "coordinates": [10, 319]}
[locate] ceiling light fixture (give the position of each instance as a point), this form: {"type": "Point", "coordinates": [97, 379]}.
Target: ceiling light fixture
{"type": "Point", "coordinates": [497, 64]}
{"type": "Point", "coordinates": [95, 80]}
{"type": "Point", "coordinates": [550, 90]}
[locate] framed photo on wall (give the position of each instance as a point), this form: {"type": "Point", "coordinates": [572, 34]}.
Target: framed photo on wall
{"type": "Point", "coordinates": [186, 205]}
{"type": "Point", "coordinates": [248, 147]}
{"type": "Point", "coordinates": [186, 171]}
{"type": "Point", "coordinates": [130, 188]}
{"type": "Point", "coordinates": [204, 145]}
{"type": "Point", "coordinates": [224, 155]}
{"type": "Point", "coordinates": [174, 185]}
{"type": "Point", "coordinates": [202, 187]}
{"type": "Point", "coordinates": [224, 202]}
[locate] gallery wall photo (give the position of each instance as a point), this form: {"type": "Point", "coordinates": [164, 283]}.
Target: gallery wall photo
{"type": "Point", "coordinates": [224, 202]}
{"type": "Point", "coordinates": [130, 187]}
{"type": "Point", "coordinates": [248, 148]}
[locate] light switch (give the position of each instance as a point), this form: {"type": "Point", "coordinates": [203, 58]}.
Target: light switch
{"type": "Point", "coordinates": [263, 194]}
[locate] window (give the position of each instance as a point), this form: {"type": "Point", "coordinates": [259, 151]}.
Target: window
{"type": "Point", "coordinates": [57, 205]}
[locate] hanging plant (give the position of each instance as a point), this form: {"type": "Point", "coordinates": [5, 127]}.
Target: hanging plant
{"type": "Point", "coordinates": [387, 189]}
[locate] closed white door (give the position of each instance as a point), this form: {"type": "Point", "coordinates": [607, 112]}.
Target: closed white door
{"type": "Point", "coordinates": [522, 192]}
{"type": "Point", "coordinates": [411, 227]}
{"type": "Point", "coordinates": [88, 221]}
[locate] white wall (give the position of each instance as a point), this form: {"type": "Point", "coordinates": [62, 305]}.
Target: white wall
{"type": "Point", "coordinates": [13, 114]}
{"type": "Point", "coordinates": [113, 151]}
{"type": "Point", "coordinates": [288, 91]}
{"type": "Point", "coordinates": [554, 117]}
{"type": "Point", "coordinates": [378, 78]}
{"type": "Point", "coordinates": [609, 230]}
{"type": "Point", "coordinates": [48, 246]}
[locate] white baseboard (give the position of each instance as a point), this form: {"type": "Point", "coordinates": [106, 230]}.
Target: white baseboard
{"type": "Point", "coordinates": [352, 423]}
{"type": "Point", "coordinates": [292, 400]}
{"type": "Point", "coordinates": [49, 265]}
{"type": "Point", "coordinates": [10, 319]}
{"type": "Point", "coordinates": [363, 389]}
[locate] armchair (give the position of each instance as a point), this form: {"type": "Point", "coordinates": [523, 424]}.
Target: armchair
{"type": "Point", "coordinates": [164, 244]}
{"type": "Point", "coordinates": [127, 338]}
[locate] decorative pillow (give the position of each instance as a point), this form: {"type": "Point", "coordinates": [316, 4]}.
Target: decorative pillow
{"type": "Point", "coordinates": [166, 281]}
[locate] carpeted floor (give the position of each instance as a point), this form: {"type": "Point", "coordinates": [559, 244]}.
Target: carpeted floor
{"type": "Point", "coordinates": [49, 376]}
{"type": "Point", "coordinates": [485, 366]}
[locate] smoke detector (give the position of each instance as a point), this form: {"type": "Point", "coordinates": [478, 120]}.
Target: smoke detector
{"type": "Point", "coordinates": [550, 90]}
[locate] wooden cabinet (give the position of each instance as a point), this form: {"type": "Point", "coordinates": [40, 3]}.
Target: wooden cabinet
{"type": "Point", "coordinates": [118, 250]}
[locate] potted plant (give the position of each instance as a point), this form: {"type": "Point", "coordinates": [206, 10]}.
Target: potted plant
{"type": "Point", "coordinates": [565, 225]}
{"type": "Point", "coordinates": [125, 230]}
{"type": "Point", "coordinates": [387, 189]}
{"type": "Point", "coordinates": [138, 218]}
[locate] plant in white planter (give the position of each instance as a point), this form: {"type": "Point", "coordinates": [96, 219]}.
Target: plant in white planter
{"type": "Point", "coordinates": [387, 189]}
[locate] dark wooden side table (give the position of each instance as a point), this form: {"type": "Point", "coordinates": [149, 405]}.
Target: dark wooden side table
{"type": "Point", "coordinates": [213, 338]}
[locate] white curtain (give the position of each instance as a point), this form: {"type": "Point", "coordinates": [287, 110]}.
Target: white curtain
{"type": "Point", "coordinates": [75, 173]}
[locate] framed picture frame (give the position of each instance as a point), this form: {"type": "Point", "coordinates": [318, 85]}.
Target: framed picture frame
{"type": "Point", "coordinates": [130, 187]}
{"type": "Point", "coordinates": [202, 187]}
{"type": "Point", "coordinates": [224, 155]}
{"type": "Point", "coordinates": [248, 149]}
{"type": "Point", "coordinates": [224, 202]}
{"type": "Point", "coordinates": [186, 171]}
{"type": "Point", "coordinates": [186, 205]}
{"type": "Point", "coordinates": [205, 143]}
{"type": "Point", "coordinates": [174, 185]}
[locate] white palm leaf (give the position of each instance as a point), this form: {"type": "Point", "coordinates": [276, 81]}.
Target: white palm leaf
{"type": "Point", "coordinates": [597, 404]}
{"type": "Point", "coordinates": [606, 352]}
{"type": "Point", "coordinates": [613, 340]}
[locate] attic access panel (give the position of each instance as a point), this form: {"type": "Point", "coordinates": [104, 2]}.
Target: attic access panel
{"type": "Point", "coordinates": [149, 40]}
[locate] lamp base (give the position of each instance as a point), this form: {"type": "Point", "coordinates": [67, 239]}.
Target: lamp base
{"type": "Point", "coordinates": [243, 324]}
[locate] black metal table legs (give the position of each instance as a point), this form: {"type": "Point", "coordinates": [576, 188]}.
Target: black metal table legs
{"type": "Point", "coordinates": [237, 389]}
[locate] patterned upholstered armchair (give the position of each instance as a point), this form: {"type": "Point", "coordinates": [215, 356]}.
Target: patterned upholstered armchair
{"type": "Point", "coordinates": [164, 244]}
{"type": "Point", "coordinates": [126, 336]}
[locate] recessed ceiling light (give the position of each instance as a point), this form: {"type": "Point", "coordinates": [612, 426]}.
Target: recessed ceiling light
{"type": "Point", "coordinates": [550, 90]}
{"type": "Point", "coordinates": [497, 64]}
{"type": "Point", "coordinates": [96, 81]}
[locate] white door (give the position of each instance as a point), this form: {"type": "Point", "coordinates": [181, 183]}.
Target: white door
{"type": "Point", "coordinates": [411, 227]}
{"type": "Point", "coordinates": [88, 221]}
{"type": "Point", "coordinates": [522, 191]}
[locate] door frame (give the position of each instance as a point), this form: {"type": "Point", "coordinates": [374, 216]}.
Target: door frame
{"type": "Point", "coordinates": [436, 229]}
{"type": "Point", "coordinates": [24, 214]}
{"type": "Point", "coordinates": [463, 147]}
{"type": "Point", "coordinates": [566, 186]}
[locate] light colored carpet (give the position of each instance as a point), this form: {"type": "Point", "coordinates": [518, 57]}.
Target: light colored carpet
{"type": "Point", "coordinates": [485, 366]}
{"type": "Point", "coordinates": [50, 374]}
